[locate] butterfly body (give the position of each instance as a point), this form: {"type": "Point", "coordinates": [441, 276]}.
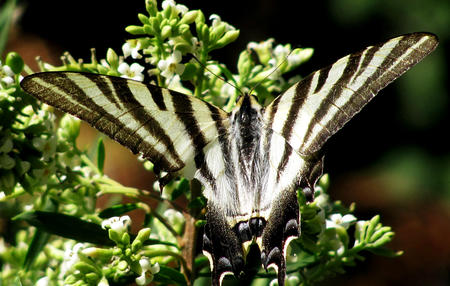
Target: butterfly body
{"type": "Point", "coordinates": [250, 161]}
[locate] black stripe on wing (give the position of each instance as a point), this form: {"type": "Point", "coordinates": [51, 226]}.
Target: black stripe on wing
{"type": "Point", "coordinates": [114, 106]}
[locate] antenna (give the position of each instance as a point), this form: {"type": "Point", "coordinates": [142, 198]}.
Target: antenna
{"type": "Point", "coordinates": [273, 70]}
{"type": "Point", "coordinates": [218, 76]}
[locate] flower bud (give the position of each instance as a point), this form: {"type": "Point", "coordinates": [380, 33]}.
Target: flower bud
{"type": "Point", "coordinates": [203, 32]}
{"type": "Point", "coordinates": [84, 267]}
{"type": "Point", "coordinates": [6, 144]}
{"type": "Point", "coordinates": [143, 235]}
{"type": "Point", "coordinates": [372, 226]}
{"type": "Point", "coordinates": [15, 62]}
{"type": "Point", "coordinates": [143, 18]}
{"type": "Point", "coordinates": [6, 162]}
{"type": "Point", "coordinates": [229, 37]}
{"type": "Point", "coordinates": [7, 181]}
{"type": "Point", "coordinates": [167, 12]}
{"type": "Point", "coordinates": [122, 265]}
{"type": "Point", "coordinates": [200, 18]}
{"type": "Point", "coordinates": [150, 6]}
{"type": "Point", "coordinates": [100, 253]}
{"type": "Point", "coordinates": [69, 128]}
{"type": "Point", "coordinates": [135, 30]}
{"type": "Point", "coordinates": [244, 64]}
{"type": "Point", "coordinates": [189, 17]}
{"type": "Point", "coordinates": [173, 22]}
{"type": "Point", "coordinates": [218, 31]}
{"type": "Point", "coordinates": [184, 30]}
{"type": "Point", "coordinates": [22, 167]}
{"type": "Point", "coordinates": [125, 238]}
{"type": "Point", "coordinates": [379, 233]}
{"type": "Point", "coordinates": [112, 58]}
{"type": "Point", "coordinates": [166, 31]}
{"type": "Point", "coordinates": [92, 278]}
{"type": "Point", "coordinates": [153, 28]}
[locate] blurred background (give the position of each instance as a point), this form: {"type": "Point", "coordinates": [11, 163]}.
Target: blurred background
{"type": "Point", "coordinates": [392, 159]}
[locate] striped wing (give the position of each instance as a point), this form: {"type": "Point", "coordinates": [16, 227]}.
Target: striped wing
{"type": "Point", "coordinates": [308, 113]}
{"type": "Point", "coordinates": [170, 129]}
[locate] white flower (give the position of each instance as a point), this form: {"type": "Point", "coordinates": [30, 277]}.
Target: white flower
{"type": "Point", "coordinates": [337, 220]}
{"type": "Point", "coordinates": [171, 65]}
{"type": "Point", "coordinates": [70, 257]}
{"type": "Point", "coordinates": [133, 72]}
{"type": "Point", "coordinates": [261, 46]}
{"type": "Point", "coordinates": [227, 90]}
{"type": "Point", "coordinates": [177, 7]}
{"type": "Point", "coordinates": [296, 58]}
{"type": "Point", "coordinates": [216, 21]}
{"type": "Point", "coordinates": [7, 75]}
{"type": "Point", "coordinates": [147, 271]}
{"type": "Point", "coordinates": [2, 195]}
{"type": "Point", "coordinates": [129, 50]}
{"type": "Point", "coordinates": [175, 218]}
{"type": "Point", "coordinates": [103, 282]}
{"type": "Point", "coordinates": [174, 83]}
{"type": "Point", "coordinates": [118, 224]}
{"type": "Point", "coordinates": [44, 281]}
{"type": "Point", "coordinates": [280, 51]}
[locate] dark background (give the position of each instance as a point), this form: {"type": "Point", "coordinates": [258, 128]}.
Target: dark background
{"type": "Point", "coordinates": [391, 159]}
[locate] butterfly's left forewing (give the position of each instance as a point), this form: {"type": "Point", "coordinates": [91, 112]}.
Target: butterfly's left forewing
{"type": "Point", "coordinates": [169, 128]}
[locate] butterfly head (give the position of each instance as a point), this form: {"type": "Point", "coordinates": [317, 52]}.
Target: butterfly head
{"type": "Point", "coordinates": [247, 109]}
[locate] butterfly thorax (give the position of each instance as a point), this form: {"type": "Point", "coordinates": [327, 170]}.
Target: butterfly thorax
{"type": "Point", "coordinates": [248, 156]}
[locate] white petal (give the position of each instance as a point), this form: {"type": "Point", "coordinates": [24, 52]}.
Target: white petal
{"type": "Point", "coordinates": [214, 17]}
{"type": "Point", "coordinates": [163, 64]}
{"type": "Point", "coordinates": [182, 9]}
{"type": "Point", "coordinates": [137, 68]}
{"type": "Point", "coordinates": [176, 56]}
{"type": "Point", "coordinates": [155, 268]}
{"type": "Point", "coordinates": [141, 280]}
{"type": "Point", "coordinates": [179, 69]}
{"type": "Point", "coordinates": [167, 3]}
{"type": "Point", "coordinates": [145, 264]}
{"type": "Point", "coordinates": [123, 68]}
{"type": "Point", "coordinates": [126, 49]}
{"type": "Point", "coordinates": [8, 71]}
{"type": "Point", "coordinates": [167, 73]}
{"type": "Point", "coordinates": [8, 81]}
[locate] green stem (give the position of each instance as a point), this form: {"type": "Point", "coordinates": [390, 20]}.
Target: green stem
{"type": "Point", "coordinates": [163, 252]}
{"type": "Point", "coordinates": [165, 223]}
{"type": "Point", "coordinates": [201, 74]}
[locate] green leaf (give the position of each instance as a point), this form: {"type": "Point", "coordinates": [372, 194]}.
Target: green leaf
{"type": "Point", "coordinates": [170, 276]}
{"type": "Point", "coordinates": [118, 210]}
{"type": "Point", "coordinates": [383, 251]}
{"type": "Point", "coordinates": [182, 187]}
{"type": "Point", "coordinates": [66, 226]}
{"type": "Point", "coordinates": [100, 155]}
{"type": "Point", "coordinates": [6, 15]}
{"type": "Point", "coordinates": [197, 203]}
{"type": "Point", "coordinates": [40, 239]}
{"type": "Point", "coordinates": [152, 241]}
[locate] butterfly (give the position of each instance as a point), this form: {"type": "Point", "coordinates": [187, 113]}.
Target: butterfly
{"type": "Point", "coordinates": [250, 161]}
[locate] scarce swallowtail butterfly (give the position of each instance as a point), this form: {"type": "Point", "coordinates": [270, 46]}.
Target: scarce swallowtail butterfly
{"type": "Point", "coordinates": [250, 161]}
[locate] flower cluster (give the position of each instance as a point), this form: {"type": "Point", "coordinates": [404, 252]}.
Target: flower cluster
{"type": "Point", "coordinates": [27, 157]}
{"type": "Point", "coordinates": [166, 36]}
{"type": "Point", "coordinates": [40, 160]}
